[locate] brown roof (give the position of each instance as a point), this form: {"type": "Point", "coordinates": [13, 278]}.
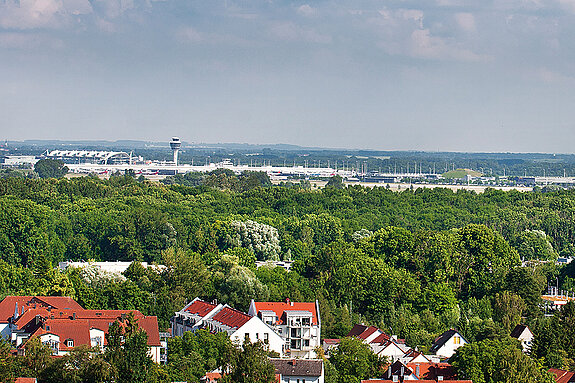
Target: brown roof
{"type": "Point", "coordinates": [562, 376]}
{"type": "Point", "coordinates": [25, 380]}
{"type": "Point", "coordinates": [357, 329]}
{"type": "Point", "coordinates": [298, 367]}
{"type": "Point", "coordinates": [369, 331]}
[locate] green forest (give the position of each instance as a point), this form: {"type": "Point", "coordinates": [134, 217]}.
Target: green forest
{"type": "Point", "coordinates": [414, 263]}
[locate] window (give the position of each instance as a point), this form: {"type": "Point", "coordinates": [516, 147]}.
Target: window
{"type": "Point", "coordinates": [306, 343]}
{"type": "Point", "coordinates": [456, 339]}
{"type": "Point", "coordinates": [266, 338]}
{"type": "Point", "coordinates": [247, 336]}
{"type": "Point", "coordinates": [70, 343]}
{"type": "Point", "coordinates": [306, 321]}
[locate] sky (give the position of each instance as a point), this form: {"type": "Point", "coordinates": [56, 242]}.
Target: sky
{"type": "Point", "coordinates": [447, 75]}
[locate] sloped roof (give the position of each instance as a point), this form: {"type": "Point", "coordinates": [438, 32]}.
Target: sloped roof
{"type": "Point", "coordinates": [518, 330]}
{"type": "Point", "coordinates": [78, 328]}
{"type": "Point", "coordinates": [357, 329]}
{"type": "Point", "coordinates": [369, 331]}
{"type": "Point", "coordinates": [231, 317]}
{"type": "Point", "coordinates": [280, 309]}
{"type": "Point", "coordinates": [200, 307]}
{"type": "Point", "coordinates": [442, 339]}
{"type": "Point", "coordinates": [562, 376]}
{"type": "Point", "coordinates": [298, 367]}
{"type": "Point", "coordinates": [381, 339]}
{"type": "Point", "coordinates": [25, 303]}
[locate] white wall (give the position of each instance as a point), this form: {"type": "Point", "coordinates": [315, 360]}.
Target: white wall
{"type": "Point", "coordinates": [256, 326]}
{"type": "Point", "coordinates": [449, 348]}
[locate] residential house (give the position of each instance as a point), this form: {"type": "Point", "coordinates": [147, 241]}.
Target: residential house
{"type": "Point", "coordinates": [447, 343]}
{"type": "Point", "coordinates": [62, 324]}
{"type": "Point", "coordinates": [299, 370]}
{"type": "Point", "coordinates": [524, 335]}
{"type": "Point", "coordinates": [216, 318]}
{"type": "Point", "coordinates": [298, 323]}
{"type": "Point", "coordinates": [382, 345]}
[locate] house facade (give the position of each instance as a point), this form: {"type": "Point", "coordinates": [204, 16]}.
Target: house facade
{"type": "Point", "coordinates": [523, 334]}
{"type": "Point", "coordinates": [447, 343]}
{"type": "Point", "coordinates": [298, 323]}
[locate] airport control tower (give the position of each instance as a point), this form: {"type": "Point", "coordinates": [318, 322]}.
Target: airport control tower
{"type": "Point", "coordinates": [175, 144]}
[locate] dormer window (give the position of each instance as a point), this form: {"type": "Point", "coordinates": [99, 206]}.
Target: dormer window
{"type": "Point", "coordinates": [70, 343]}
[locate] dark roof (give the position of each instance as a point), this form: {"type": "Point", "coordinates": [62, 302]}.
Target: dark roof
{"type": "Point", "coordinates": [298, 367]}
{"type": "Point", "coordinates": [442, 339]}
{"type": "Point", "coordinates": [518, 330]}
{"type": "Point", "coordinates": [357, 329]}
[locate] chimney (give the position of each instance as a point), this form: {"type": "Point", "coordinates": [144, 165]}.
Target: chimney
{"type": "Point", "coordinates": [73, 316]}
{"type": "Point", "coordinates": [16, 311]}
{"type": "Point", "coordinates": [288, 301]}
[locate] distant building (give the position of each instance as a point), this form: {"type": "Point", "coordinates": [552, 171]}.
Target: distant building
{"type": "Point", "coordinates": [298, 323]}
{"type": "Point", "coordinates": [111, 267]}
{"type": "Point", "coordinates": [10, 161]}
{"type": "Point", "coordinates": [89, 157]}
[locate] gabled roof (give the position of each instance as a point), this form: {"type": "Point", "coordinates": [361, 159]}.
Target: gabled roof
{"type": "Point", "coordinates": [518, 331]}
{"type": "Point", "coordinates": [230, 317]}
{"type": "Point", "coordinates": [369, 331]}
{"type": "Point", "coordinates": [562, 376]}
{"type": "Point", "coordinates": [200, 307]}
{"type": "Point", "coordinates": [280, 309]}
{"type": "Point", "coordinates": [442, 339]}
{"type": "Point", "coordinates": [298, 367]}
{"type": "Point", "coordinates": [24, 303]}
{"type": "Point", "coordinates": [356, 330]}
{"type": "Point", "coordinates": [380, 339]}
{"type": "Point", "coordinates": [78, 328]}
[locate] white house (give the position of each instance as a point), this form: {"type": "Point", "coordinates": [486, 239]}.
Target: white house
{"type": "Point", "coordinates": [299, 370]}
{"type": "Point", "coordinates": [524, 335]}
{"type": "Point", "coordinates": [222, 318]}
{"type": "Point", "coordinates": [379, 342]}
{"type": "Point", "coordinates": [447, 343]}
{"type": "Point", "coordinates": [298, 323]}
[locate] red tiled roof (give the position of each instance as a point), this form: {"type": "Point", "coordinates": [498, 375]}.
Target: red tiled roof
{"type": "Point", "coordinates": [369, 331]}
{"type": "Point", "coordinates": [200, 308]}
{"type": "Point", "coordinates": [382, 338]}
{"type": "Point", "coordinates": [231, 317]}
{"type": "Point", "coordinates": [25, 380]}
{"type": "Point", "coordinates": [280, 308]}
{"type": "Point", "coordinates": [433, 370]}
{"type": "Point", "coordinates": [357, 329]}
{"type": "Point", "coordinates": [8, 305]}
{"type": "Point", "coordinates": [562, 376]}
